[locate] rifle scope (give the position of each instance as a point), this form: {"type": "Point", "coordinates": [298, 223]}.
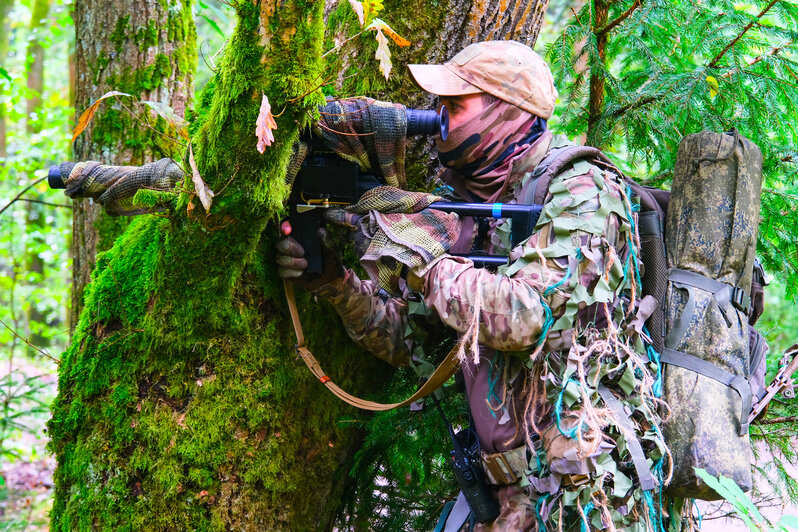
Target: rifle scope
{"type": "Point", "coordinates": [428, 122]}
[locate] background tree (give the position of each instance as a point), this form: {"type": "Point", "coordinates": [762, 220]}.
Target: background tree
{"type": "Point", "coordinates": [145, 48]}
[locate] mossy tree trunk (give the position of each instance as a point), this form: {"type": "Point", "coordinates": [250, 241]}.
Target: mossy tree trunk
{"type": "Point", "coordinates": [182, 403]}
{"type": "Point", "coordinates": [146, 48]}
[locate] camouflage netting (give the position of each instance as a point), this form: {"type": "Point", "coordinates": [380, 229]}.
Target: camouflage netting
{"type": "Point", "coordinates": [711, 229]}
{"type": "Point", "coordinates": [403, 233]}
{"type": "Point", "coordinates": [368, 132]}
{"type": "Point", "coordinates": [114, 187]}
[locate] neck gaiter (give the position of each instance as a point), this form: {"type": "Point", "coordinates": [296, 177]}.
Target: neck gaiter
{"type": "Point", "coordinates": [482, 148]}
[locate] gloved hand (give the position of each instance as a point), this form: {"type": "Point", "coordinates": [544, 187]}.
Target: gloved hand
{"type": "Point", "coordinates": [291, 262]}
{"type": "Point", "coordinates": [353, 222]}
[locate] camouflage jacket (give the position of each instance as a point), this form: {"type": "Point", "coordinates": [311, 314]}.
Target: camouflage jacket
{"type": "Point", "coordinates": [563, 313]}
{"type": "Point", "coordinates": [516, 303]}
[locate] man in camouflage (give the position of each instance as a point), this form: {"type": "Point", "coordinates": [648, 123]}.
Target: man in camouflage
{"type": "Point", "coordinates": [562, 384]}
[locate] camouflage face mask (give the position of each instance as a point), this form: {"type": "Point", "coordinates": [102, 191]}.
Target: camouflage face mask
{"type": "Point", "coordinates": [482, 148]}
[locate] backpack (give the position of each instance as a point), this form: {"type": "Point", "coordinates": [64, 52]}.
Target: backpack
{"type": "Point", "coordinates": [698, 263]}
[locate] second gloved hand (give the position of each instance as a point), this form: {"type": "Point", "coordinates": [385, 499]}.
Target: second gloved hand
{"type": "Point", "coordinates": [291, 263]}
{"type": "Point", "coordinates": [358, 234]}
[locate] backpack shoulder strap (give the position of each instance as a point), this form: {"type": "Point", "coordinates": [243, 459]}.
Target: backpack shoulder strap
{"type": "Point", "coordinates": [534, 191]}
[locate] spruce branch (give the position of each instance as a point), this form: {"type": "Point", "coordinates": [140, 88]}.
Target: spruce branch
{"type": "Point", "coordinates": [714, 62]}
{"type": "Point", "coordinates": [623, 16]}
{"type": "Point", "coordinates": [773, 52]}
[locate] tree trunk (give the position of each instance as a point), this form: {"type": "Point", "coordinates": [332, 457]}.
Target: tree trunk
{"type": "Point", "coordinates": [146, 48]}
{"type": "Point", "coordinates": [182, 403]}
{"type": "Point", "coordinates": [35, 212]}
{"type": "Point", "coordinates": [5, 38]}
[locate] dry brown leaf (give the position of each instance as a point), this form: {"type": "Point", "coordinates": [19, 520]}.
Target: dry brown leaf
{"type": "Point", "coordinates": [380, 24]}
{"type": "Point", "coordinates": [205, 194]}
{"type": "Point", "coordinates": [383, 54]}
{"type": "Point", "coordinates": [358, 8]}
{"type": "Point", "coordinates": [264, 125]}
{"type": "Point", "coordinates": [88, 114]}
{"type": "Point", "coordinates": [168, 114]}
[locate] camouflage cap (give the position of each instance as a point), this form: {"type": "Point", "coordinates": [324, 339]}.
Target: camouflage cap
{"type": "Point", "coordinates": [508, 70]}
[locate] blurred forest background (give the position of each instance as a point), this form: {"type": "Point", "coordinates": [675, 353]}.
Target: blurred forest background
{"type": "Point", "coordinates": [665, 70]}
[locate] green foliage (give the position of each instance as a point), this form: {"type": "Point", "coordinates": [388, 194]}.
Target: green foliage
{"type": "Point", "coordinates": [743, 505]}
{"type": "Point", "coordinates": [400, 478]}
{"type": "Point", "coordinates": [669, 69]}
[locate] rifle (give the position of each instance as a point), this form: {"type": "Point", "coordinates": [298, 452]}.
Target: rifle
{"type": "Point", "coordinates": [326, 180]}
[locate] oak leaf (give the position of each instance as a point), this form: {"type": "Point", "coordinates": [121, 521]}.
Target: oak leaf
{"type": "Point", "coordinates": [381, 25]}
{"type": "Point", "coordinates": [383, 54]}
{"type": "Point", "coordinates": [357, 7]}
{"type": "Point", "coordinates": [264, 125]}
{"type": "Point", "coordinates": [88, 114]}
{"type": "Point", "coordinates": [203, 191]}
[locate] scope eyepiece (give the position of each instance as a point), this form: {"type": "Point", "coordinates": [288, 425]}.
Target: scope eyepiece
{"type": "Point", "coordinates": [54, 178]}
{"type": "Point", "coordinates": [428, 122]}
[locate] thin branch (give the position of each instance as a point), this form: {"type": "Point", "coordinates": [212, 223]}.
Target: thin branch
{"type": "Point", "coordinates": [45, 203]}
{"type": "Point", "coordinates": [620, 19]}
{"type": "Point", "coordinates": [24, 190]}
{"type": "Point", "coordinates": [775, 420]}
{"type": "Point", "coordinates": [714, 62]}
{"type": "Point", "coordinates": [39, 349]}
{"type": "Point", "coordinates": [774, 51]}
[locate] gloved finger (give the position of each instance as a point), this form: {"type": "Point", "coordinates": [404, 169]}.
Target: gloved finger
{"type": "Point", "coordinates": [326, 239]}
{"type": "Point", "coordinates": [342, 218]}
{"type": "Point", "coordinates": [292, 263]}
{"type": "Point", "coordinates": [289, 246]}
{"type": "Point", "coordinates": [287, 273]}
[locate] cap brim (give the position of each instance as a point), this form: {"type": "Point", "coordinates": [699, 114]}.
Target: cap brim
{"type": "Point", "coordinates": [438, 79]}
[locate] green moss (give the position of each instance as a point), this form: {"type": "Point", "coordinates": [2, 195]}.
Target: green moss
{"type": "Point", "coordinates": [119, 35]}
{"type": "Point", "coordinates": [146, 36]}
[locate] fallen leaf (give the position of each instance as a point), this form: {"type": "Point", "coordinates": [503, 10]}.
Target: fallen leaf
{"type": "Point", "coordinates": [380, 24]}
{"type": "Point", "coordinates": [358, 8]}
{"type": "Point", "coordinates": [383, 54]}
{"type": "Point", "coordinates": [88, 114]}
{"type": "Point", "coordinates": [264, 125]}
{"type": "Point", "coordinates": [205, 194]}
{"type": "Point", "coordinates": [168, 114]}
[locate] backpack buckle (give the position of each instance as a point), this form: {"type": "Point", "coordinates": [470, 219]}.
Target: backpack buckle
{"type": "Point", "coordinates": [741, 300]}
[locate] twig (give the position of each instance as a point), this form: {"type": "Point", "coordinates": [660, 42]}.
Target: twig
{"type": "Point", "coordinates": [40, 350]}
{"type": "Point", "coordinates": [774, 51]}
{"type": "Point", "coordinates": [714, 62]}
{"type": "Point", "coordinates": [21, 193]}
{"type": "Point", "coordinates": [775, 420]}
{"type": "Point", "coordinates": [137, 117]}
{"type": "Point", "coordinates": [334, 48]}
{"type": "Point", "coordinates": [620, 19]}
{"type": "Point", "coordinates": [45, 203]}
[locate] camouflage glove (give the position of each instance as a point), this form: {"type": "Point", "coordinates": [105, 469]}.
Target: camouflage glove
{"type": "Point", "coordinates": [291, 263]}
{"type": "Point", "coordinates": [353, 222]}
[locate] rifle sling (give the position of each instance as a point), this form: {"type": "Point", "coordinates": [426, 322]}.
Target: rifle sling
{"type": "Point", "coordinates": [442, 373]}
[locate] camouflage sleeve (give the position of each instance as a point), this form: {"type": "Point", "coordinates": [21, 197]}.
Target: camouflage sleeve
{"type": "Point", "coordinates": [576, 245]}
{"type": "Point", "coordinates": [374, 322]}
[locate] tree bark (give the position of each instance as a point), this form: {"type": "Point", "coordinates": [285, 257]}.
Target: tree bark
{"type": "Point", "coordinates": [182, 403]}
{"type": "Point", "coordinates": [34, 211]}
{"type": "Point", "coordinates": [146, 48]}
{"type": "Point", "coordinates": [5, 10]}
